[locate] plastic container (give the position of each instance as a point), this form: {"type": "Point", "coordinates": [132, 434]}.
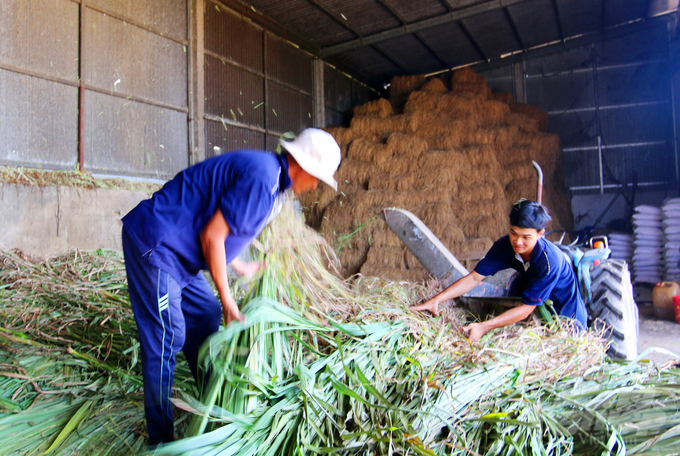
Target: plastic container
{"type": "Point", "coordinates": [676, 303]}
{"type": "Point", "coordinates": [662, 299]}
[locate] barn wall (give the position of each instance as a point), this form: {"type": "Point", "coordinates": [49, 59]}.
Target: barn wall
{"type": "Point", "coordinates": [146, 88]}
{"type": "Point", "coordinates": [612, 104]}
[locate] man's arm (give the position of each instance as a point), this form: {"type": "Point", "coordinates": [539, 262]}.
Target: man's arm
{"type": "Point", "coordinates": [458, 288]}
{"type": "Point", "coordinates": [212, 242]}
{"type": "Point", "coordinates": [519, 313]}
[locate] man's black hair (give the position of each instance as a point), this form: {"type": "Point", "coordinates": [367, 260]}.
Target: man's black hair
{"type": "Point", "coordinates": [529, 214]}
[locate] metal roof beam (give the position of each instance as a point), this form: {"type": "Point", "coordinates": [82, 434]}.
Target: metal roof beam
{"type": "Point", "coordinates": [418, 36]}
{"type": "Point", "coordinates": [473, 41]}
{"type": "Point", "coordinates": [420, 25]}
{"type": "Point", "coordinates": [558, 16]}
{"type": "Point", "coordinates": [514, 28]}
{"type": "Point", "coordinates": [571, 43]}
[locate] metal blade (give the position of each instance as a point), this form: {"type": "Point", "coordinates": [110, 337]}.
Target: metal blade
{"type": "Point", "coordinates": [432, 254]}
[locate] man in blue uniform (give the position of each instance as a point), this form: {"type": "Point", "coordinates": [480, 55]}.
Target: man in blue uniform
{"type": "Point", "coordinates": [203, 219]}
{"type": "Point", "coordinates": [545, 273]}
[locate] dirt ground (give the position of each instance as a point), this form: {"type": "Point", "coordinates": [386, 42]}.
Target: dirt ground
{"type": "Point", "coordinates": [659, 333]}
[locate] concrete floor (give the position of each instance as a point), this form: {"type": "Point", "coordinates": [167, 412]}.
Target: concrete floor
{"type": "Point", "coordinates": [659, 333]}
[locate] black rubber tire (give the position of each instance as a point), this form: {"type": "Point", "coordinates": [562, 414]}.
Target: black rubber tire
{"type": "Point", "coordinates": [613, 308]}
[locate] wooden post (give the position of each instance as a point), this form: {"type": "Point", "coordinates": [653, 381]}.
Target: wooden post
{"type": "Point", "coordinates": [319, 98]}
{"type": "Point", "coordinates": [196, 81]}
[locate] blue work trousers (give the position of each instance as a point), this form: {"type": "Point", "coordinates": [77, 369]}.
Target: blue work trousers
{"type": "Point", "coordinates": [169, 318]}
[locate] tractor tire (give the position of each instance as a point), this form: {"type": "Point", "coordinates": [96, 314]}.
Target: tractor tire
{"type": "Point", "coordinates": [613, 308]}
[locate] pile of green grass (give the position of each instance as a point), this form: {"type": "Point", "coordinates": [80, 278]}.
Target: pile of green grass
{"type": "Point", "coordinates": [321, 365]}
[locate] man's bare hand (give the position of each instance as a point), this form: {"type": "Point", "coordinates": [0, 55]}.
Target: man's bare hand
{"type": "Point", "coordinates": [477, 330]}
{"type": "Point", "coordinates": [232, 313]}
{"type": "Point", "coordinates": [430, 305]}
{"type": "Point", "coordinates": [246, 269]}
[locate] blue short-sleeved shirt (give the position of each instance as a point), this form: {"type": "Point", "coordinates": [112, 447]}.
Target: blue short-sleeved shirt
{"type": "Point", "coordinates": [549, 275]}
{"type": "Point", "coordinates": [242, 184]}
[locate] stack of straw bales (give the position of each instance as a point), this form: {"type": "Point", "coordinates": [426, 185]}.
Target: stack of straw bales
{"type": "Point", "coordinates": [457, 158]}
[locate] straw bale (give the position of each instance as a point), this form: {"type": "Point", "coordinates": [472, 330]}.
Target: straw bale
{"type": "Point", "coordinates": [522, 122]}
{"type": "Point", "coordinates": [423, 102]}
{"type": "Point", "coordinates": [436, 215]}
{"type": "Point", "coordinates": [406, 84]}
{"type": "Point", "coordinates": [457, 160]}
{"type": "Point", "coordinates": [391, 257]}
{"type": "Point", "coordinates": [522, 171]}
{"type": "Point", "coordinates": [516, 190]}
{"type": "Point", "coordinates": [395, 181]}
{"type": "Point", "coordinates": [514, 154]}
{"type": "Point", "coordinates": [401, 87]}
{"type": "Point", "coordinates": [505, 97]}
{"type": "Point", "coordinates": [412, 263]}
{"type": "Point", "coordinates": [366, 127]}
{"type": "Point", "coordinates": [355, 171]}
{"type": "Point", "coordinates": [484, 226]}
{"type": "Point", "coordinates": [343, 136]}
{"type": "Point", "coordinates": [533, 112]}
{"type": "Point", "coordinates": [365, 150]}
{"type": "Point", "coordinates": [376, 108]}
{"type": "Point", "coordinates": [502, 137]}
{"type": "Point", "coordinates": [406, 145]}
{"type": "Point", "coordinates": [477, 245]}
{"type": "Point", "coordinates": [385, 237]}
{"type": "Point", "coordinates": [434, 85]}
{"type": "Point", "coordinates": [467, 80]}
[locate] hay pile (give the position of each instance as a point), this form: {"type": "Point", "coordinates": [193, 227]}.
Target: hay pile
{"type": "Point", "coordinates": [458, 159]}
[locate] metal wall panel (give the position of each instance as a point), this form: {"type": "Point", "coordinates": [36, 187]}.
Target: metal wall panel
{"type": "Point", "coordinates": [221, 138]}
{"type": "Point", "coordinates": [229, 36]}
{"type": "Point", "coordinates": [336, 118]}
{"type": "Point", "coordinates": [233, 93]}
{"type": "Point", "coordinates": [168, 17]}
{"type": "Point", "coordinates": [337, 90]}
{"type": "Point", "coordinates": [632, 83]}
{"type": "Point", "coordinates": [288, 109]}
{"type": "Point", "coordinates": [654, 165]}
{"type": "Point", "coordinates": [561, 92]}
{"type": "Point", "coordinates": [123, 58]}
{"type": "Point", "coordinates": [570, 60]}
{"type": "Point", "coordinates": [362, 94]}
{"type": "Point", "coordinates": [500, 79]}
{"type": "Point", "coordinates": [650, 44]}
{"type": "Point", "coordinates": [289, 65]}
{"type": "Point", "coordinates": [578, 169]}
{"type": "Point", "coordinates": [575, 129]}
{"type": "Point", "coordinates": [40, 35]}
{"type": "Point", "coordinates": [38, 122]}
{"type": "Point", "coordinates": [137, 139]}
{"type": "Point", "coordinates": [645, 123]}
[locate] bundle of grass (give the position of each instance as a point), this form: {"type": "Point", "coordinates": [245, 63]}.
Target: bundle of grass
{"type": "Point", "coordinates": [70, 378]}
{"type": "Point", "coordinates": [462, 152]}
{"type": "Point", "coordinates": [376, 378]}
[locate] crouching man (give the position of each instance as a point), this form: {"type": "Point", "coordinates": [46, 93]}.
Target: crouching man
{"type": "Point", "coordinates": [544, 273]}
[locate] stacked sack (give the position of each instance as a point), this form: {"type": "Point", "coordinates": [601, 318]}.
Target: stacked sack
{"type": "Point", "coordinates": [671, 227]}
{"type": "Point", "coordinates": [648, 265]}
{"type": "Point", "coordinates": [621, 245]}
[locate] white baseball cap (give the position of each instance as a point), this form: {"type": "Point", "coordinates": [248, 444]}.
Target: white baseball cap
{"type": "Point", "coordinates": [317, 153]}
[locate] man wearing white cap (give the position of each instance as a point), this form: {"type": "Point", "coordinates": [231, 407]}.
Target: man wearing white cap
{"type": "Point", "coordinates": [203, 219]}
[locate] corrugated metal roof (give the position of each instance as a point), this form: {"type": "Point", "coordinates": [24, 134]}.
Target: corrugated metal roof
{"type": "Point", "coordinates": [378, 39]}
